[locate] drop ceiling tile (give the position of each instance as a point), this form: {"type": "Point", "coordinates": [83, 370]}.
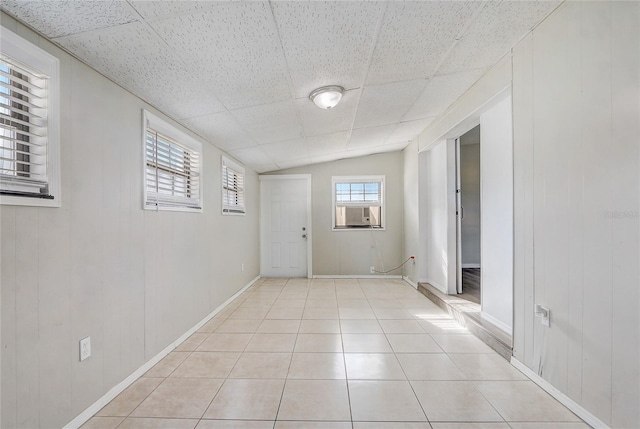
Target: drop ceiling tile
{"type": "Point", "coordinates": [134, 57]}
{"type": "Point", "coordinates": [328, 143]}
{"type": "Point", "coordinates": [374, 150]}
{"type": "Point", "coordinates": [295, 163]}
{"type": "Point", "coordinates": [386, 104]}
{"type": "Point", "coordinates": [237, 49]}
{"type": "Point", "coordinates": [498, 27]}
{"type": "Point", "coordinates": [329, 157]}
{"type": "Point", "coordinates": [266, 167]}
{"type": "Point", "coordinates": [61, 18]}
{"type": "Point", "coordinates": [392, 147]}
{"type": "Point", "coordinates": [251, 156]}
{"type": "Point", "coordinates": [316, 121]}
{"type": "Point", "coordinates": [222, 130]}
{"type": "Point", "coordinates": [405, 131]}
{"type": "Point", "coordinates": [370, 137]}
{"type": "Point", "coordinates": [327, 42]}
{"type": "Point", "coordinates": [160, 9]}
{"type": "Point", "coordinates": [270, 122]}
{"type": "Point", "coordinates": [286, 150]}
{"type": "Point", "coordinates": [415, 36]}
{"type": "Point", "coordinates": [440, 92]}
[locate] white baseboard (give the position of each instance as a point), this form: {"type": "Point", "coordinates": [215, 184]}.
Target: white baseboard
{"type": "Point", "coordinates": [470, 265]}
{"type": "Point", "coordinates": [498, 324]}
{"type": "Point", "coordinates": [83, 417]}
{"type": "Point", "coordinates": [585, 415]}
{"type": "Point", "coordinates": [357, 276]}
{"type": "Point", "coordinates": [411, 282]}
{"type": "Point", "coordinates": [437, 286]}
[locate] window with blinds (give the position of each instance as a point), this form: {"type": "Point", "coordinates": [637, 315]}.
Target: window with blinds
{"type": "Point", "coordinates": [23, 131]}
{"type": "Point", "coordinates": [232, 187]}
{"type": "Point", "coordinates": [358, 202]}
{"type": "Point", "coordinates": [172, 168]}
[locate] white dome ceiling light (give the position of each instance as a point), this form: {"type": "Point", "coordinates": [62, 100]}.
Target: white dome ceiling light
{"type": "Point", "coordinates": [327, 97]}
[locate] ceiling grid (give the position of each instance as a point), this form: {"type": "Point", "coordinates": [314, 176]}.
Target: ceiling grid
{"type": "Point", "coordinates": [239, 73]}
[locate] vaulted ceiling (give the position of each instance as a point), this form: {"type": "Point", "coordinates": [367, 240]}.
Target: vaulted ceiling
{"type": "Point", "coordinates": [239, 73]}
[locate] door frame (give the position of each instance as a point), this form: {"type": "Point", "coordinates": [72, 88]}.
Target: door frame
{"type": "Point", "coordinates": [459, 215]}
{"type": "Point", "coordinates": [307, 178]}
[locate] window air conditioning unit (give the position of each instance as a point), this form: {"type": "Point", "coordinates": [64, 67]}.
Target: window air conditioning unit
{"type": "Point", "coordinates": [357, 216]}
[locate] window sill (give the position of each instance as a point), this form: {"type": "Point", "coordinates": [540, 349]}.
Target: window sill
{"type": "Point", "coordinates": [172, 209]}
{"type": "Point", "coordinates": [11, 200]}
{"type": "Point", "coordinates": [358, 229]}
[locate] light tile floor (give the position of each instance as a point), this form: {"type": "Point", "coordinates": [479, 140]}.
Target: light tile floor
{"type": "Point", "coordinates": [359, 354]}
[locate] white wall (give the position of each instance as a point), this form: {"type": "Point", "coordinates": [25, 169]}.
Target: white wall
{"type": "Point", "coordinates": [411, 212]}
{"type": "Point", "coordinates": [496, 153]}
{"type": "Point", "coordinates": [99, 265]}
{"type": "Point", "coordinates": [438, 182]}
{"type": "Point", "coordinates": [470, 197]}
{"type": "Point", "coordinates": [352, 252]}
{"type": "Point", "coordinates": [576, 103]}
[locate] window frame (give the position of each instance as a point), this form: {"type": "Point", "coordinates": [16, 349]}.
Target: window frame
{"type": "Point", "coordinates": [226, 161]}
{"type": "Point", "coordinates": [36, 59]}
{"type": "Point", "coordinates": [160, 126]}
{"type": "Point", "coordinates": [358, 179]}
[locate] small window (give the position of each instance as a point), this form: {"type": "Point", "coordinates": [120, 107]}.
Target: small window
{"type": "Point", "coordinates": [29, 160]}
{"type": "Point", "coordinates": [172, 167]}
{"type": "Point", "coordinates": [358, 202]}
{"type": "Point", "coordinates": [232, 187]}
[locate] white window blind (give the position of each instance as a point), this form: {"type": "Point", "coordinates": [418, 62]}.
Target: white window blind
{"type": "Point", "coordinates": [232, 187]}
{"type": "Point", "coordinates": [172, 173]}
{"type": "Point", "coordinates": [23, 131]}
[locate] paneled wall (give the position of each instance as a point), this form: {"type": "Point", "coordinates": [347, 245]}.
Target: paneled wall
{"type": "Point", "coordinates": [496, 178]}
{"type": "Point", "coordinates": [352, 252]}
{"type": "Point", "coordinates": [101, 266]}
{"type": "Point", "coordinates": [411, 211]}
{"type": "Point", "coordinates": [577, 188]}
{"type": "Point", "coordinates": [438, 225]}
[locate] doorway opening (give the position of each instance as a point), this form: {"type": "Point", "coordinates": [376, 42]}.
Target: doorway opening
{"type": "Point", "coordinates": [468, 211]}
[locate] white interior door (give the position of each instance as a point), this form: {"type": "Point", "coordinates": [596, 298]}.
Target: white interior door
{"type": "Point", "coordinates": [285, 226]}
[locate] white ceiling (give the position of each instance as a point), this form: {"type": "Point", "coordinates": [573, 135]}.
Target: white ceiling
{"type": "Point", "coordinates": [239, 73]}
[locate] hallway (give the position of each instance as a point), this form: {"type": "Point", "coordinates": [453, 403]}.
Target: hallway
{"type": "Point", "coordinates": [333, 354]}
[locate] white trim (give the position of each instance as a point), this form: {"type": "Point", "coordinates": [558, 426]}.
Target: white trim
{"type": "Point", "coordinates": [226, 161]}
{"type": "Point", "coordinates": [576, 408]}
{"type": "Point", "coordinates": [355, 178]}
{"type": "Point", "coordinates": [309, 229]}
{"type": "Point", "coordinates": [437, 286]}
{"type": "Point", "coordinates": [470, 265]}
{"type": "Point", "coordinates": [84, 416]}
{"type": "Point", "coordinates": [355, 276]}
{"type": "Point", "coordinates": [39, 60]}
{"type": "Point", "coordinates": [498, 324]}
{"type": "Point", "coordinates": [150, 120]}
{"type": "Point", "coordinates": [309, 226]}
{"type": "Point", "coordinates": [283, 176]}
{"type": "Point", "coordinates": [411, 282]}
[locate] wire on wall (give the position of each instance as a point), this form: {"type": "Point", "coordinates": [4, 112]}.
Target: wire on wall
{"type": "Point", "coordinates": [393, 269]}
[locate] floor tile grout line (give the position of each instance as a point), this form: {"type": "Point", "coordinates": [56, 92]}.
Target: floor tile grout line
{"type": "Point", "coordinates": [339, 320]}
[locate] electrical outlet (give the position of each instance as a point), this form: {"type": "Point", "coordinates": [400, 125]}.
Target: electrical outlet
{"type": "Point", "coordinates": [372, 270]}
{"type": "Point", "coordinates": [85, 348]}
{"type": "Point", "coordinates": [545, 315]}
